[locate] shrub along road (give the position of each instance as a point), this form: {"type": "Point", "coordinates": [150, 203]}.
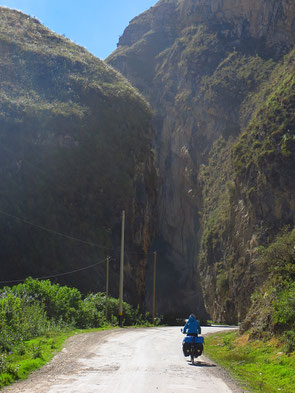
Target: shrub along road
{"type": "Point", "coordinates": [142, 360]}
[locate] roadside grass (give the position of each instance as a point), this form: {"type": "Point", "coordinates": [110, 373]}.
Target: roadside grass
{"type": "Point", "coordinates": [36, 317]}
{"type": "Point", "coordinates": [30, 355]}
{"type": "Point", "coordinates": [259, 366]}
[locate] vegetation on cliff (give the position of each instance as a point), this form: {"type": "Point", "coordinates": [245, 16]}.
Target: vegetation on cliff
{"type": "Point", "coordinates": [270, 133]}
{"type": "Point", "coordinates": [75, 144]}
{"type": "Point", "coordinates": [256, 180]}
{"type": "Point", "coordinates": [223, 93]}
{"type": "Point", "coordinates": [273, 304]}
{"type": "Point", "coordinates": [221, 80]}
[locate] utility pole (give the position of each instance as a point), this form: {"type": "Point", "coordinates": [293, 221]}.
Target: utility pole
{"type": "Point", "coordinates": [107, 285]}
{"type": "Point", "coordinates": [154, 285]}
{"type": "Point", "coordinates": [121, 271]}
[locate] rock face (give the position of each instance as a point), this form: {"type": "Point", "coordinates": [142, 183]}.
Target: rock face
{"type": "Point", "coordinates": [211, 70]}
{"type": "Point", "coordinates": [75, 142]}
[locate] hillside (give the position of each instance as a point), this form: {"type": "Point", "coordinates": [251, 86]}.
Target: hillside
{"type": "Point", "coordinates": [75, 150]}
{"type": "Point", "coordinates": [220, 77]}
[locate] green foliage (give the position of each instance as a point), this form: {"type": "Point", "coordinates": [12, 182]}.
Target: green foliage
{"type": "Point", "coordinates": [36, 307]}
{"type": "Point", "coordinates": [234, 78]}
{"type": "Point", "coordinates": [5, 379]}
{"type": "Point", "coordinates": [284, 309]}
{"type": "Point", "coordinates": [31, 355]}
{"type": "Point", "coordinates": [201, 50]}
{"type": "Point", "coordinates": [222, 282]}
{"type": "Point", "coordinates": [249, 178]}
{"type": "Point", "coordinates": [60, 302]}
{"type": "Point", "coordinates": [40, 308]}
{"type": "Point", "coordinates": [3, 365]}
{"type": "Point", "coordinates": [289, 339]}
{"type": "Point", "coordinates": [278, 258]}
{"type": "Point", "coordinates": [108, 308]}
{"type": "Point", "coordinates": [216, 177]}
{"type": "Point", "coordinates": [270, 133]}
{"type": "Point", "coordinates": [273, 306]}
{"type": "Point", "coordinates": [218, 191]}
{"type": "Point", "coordinates": [260, 366]}
{"type": "Point", "coordinates": [217, 79]}
{"type": "Point", "coordinates": [20, 320]}
{"type": "Point", "coordinates": [228, 342]}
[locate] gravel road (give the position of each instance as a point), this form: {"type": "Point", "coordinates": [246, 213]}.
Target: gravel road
{"type": "Point", "coordinates": [127, 361]}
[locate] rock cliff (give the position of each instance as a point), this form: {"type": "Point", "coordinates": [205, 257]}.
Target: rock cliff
{"type": "Point", "coordinates": [222, 92]}
{"type": "Point", "coordinates": [75, 143]}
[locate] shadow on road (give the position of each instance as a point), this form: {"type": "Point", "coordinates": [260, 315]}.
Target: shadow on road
{"type": "Point", "coordinates": [202, 364]}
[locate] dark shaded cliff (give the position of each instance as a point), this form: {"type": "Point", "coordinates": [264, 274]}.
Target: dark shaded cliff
{"type": "Point", "coordinates": [214, 71]}
{"type": "Point", "coordinates": [75, 150]}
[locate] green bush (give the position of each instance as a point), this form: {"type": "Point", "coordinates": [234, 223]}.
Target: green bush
{"type": "Point", "coordinates": [20, 320]}
{"type": "Point", "coordinates": [58, 301]}
{"type": "Point", "coordinates": [284, 309]}
{"type": "Point", "coordinates": [289, 338]}
{"type": "Point", "coordinates": [273, 306]}
{"type": "Point", "coordinates": [36, 307]}
{"type": "Point", "coordinates": [3, 365]}
{"type": "Point", "coordinates": [109, 312]}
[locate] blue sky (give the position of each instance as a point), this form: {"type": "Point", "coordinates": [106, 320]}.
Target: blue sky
{"type": "Point", "coordinates": [94, 24]}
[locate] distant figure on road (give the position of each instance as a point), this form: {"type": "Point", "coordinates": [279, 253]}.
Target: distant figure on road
{"type": "Point", "coordinates": [192, 344]}
{"type": "Point", "coordinates": [192, 327]}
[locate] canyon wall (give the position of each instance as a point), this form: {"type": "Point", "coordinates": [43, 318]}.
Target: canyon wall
{"type": "Point", "coordinates": [215, 74]}
{"type": "Point", "coordinates": [75, 150]}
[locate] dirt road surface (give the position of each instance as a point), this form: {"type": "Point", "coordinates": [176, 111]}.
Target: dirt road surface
{"type": "Point", "coordinates": [127, 361]}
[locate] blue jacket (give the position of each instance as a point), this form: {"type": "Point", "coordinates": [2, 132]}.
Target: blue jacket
{"type": "Point", "coordinates": [192, 326]}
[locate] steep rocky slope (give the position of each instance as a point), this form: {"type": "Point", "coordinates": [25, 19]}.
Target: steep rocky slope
{"type": "Point", "coordinates": [223, 94]}
{"type": "Point", "coordinates": [257, 199]}
{"type": "Point", "coordinates": [75, 150]}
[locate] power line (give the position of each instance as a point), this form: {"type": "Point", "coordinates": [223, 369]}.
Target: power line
{"type": "Point", "coordinates": [13, 153]}
{"type": "Point", "coordinates": [73, 238]}
{"type": "Point", "coordinates": [138, 253]}
{"type": "Point", "coordinates": [54, 232]}
{"type": "Point", "coordinates": [58, 274]}
{"type": "Point", "coordinates": [68, 236]}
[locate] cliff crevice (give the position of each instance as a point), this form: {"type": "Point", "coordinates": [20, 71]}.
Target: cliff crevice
{"type": "Point", "coordinates": [224, 141]}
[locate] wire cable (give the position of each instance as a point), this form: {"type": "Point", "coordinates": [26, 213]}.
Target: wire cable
{"type": "Point", "coordinates": [58, 274]}
{"type": "Point", "coordinates": [13, 153]}
{"type": "Point", "coordinates": [55, 232]}
{"type": "Point", "coordinates": [127, 252]}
